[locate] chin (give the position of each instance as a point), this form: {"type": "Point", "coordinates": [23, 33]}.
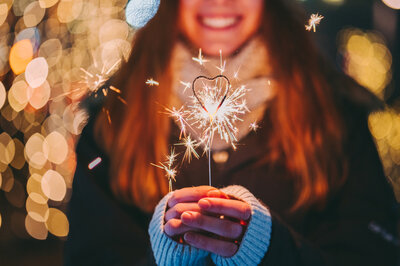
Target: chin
{"type": "Point", "coordinates": [212, 49]}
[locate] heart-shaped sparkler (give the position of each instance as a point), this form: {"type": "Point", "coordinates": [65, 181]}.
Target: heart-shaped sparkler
{"type": "Point", "coordinates": [211, 113]}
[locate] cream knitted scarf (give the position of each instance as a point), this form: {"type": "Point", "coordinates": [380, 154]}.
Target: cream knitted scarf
{"type": "Point", "coordinates": [247, 67]}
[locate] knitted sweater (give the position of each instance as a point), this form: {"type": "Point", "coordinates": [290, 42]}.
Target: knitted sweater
{"type": "Point", "coordinates": [252, 248]}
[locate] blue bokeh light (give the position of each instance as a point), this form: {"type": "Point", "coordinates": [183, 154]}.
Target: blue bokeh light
{"type": "Point", "coordinates": [139, 12]}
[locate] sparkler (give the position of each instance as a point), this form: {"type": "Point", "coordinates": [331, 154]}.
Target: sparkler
{"type": "Point", "coordinates": [314, 20]}
{"type": "Point", "coordinates": [152, 82]}
{"type": "Point", "coordinates": [212, 110]}
{"type": "Point", "coordinates": [167, 166]}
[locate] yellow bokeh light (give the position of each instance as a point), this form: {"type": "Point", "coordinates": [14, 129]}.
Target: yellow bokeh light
{"type": "Point", "coordinates": [7, 148]}
{"type": "Point", "coordinates": [74, 119]}
{"type": "Point", "coordinates": [51, 50]}
{"type": "Point", "coordinates": [38, 97]}
{"type": "Point", "coordinates": [34, 151]}
{"type": "Point", "coordinates": [68, 10]}
{"type": "Point", "coordinates": [395, 4]}
{"type": "Point", "coordinates": [2, 95]}
{"type": "Point", "coordinates": [7, 182]}
{"type": "Point", "coordinates": [3, 13]}
{"type": "Point", "coordinates": [19, 160]}
{"type": "Point", "coordinates": [57, 223]}
{"type": "Point", "coordinates": [58, 147]}
{"type": "Point", "coordinates": [53, 185]}
{"type": "Point", "coordinates": [367, 59]}
{"type": "Point", "coordinates": [47, 3]}
{"type": "Point", "coordinates": [36, 72]}
{"type": "Point", "coordinates": [33, 14]}
{"type": "Point", "coordinates": [36, 207]}
{"type": "Point", "coordinates": [18, 95]}
{"type": "Point", "coordinates": [34, 185]}
{"type": "Point", "coordinates": [35, 229]}
{"type": "Point", "coordinates": [20, 55]}
{"type": "Point", "coordinates": [113, 29]}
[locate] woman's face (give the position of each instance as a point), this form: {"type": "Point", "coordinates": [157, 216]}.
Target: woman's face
{"type": "Point", "coordinates": [214, 25]}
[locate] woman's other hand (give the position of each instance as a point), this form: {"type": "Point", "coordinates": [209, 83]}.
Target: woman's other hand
{"type": "Point", "coordinates": [206, 209]}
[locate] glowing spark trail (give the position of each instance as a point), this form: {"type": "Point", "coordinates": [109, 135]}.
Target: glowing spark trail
{"type": "Point", "coordinates": [253, 126]}
{"type": "Point", "coordinates": [152, 82]}
{"type": "Point", "coordinates": [167, 166]}
{"type": "Point", "coordinates": [314, 20]}
{"type": "Point", "coordinates": [186, 84]}
{"type": "Point", "coordinates": [191, 146]}
{"type": "Point", "coordinates": [200, 59]}
{"type": "Point", "coordinates": [222, 66]}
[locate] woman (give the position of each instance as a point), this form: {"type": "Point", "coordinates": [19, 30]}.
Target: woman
{"type": "Point", "coordinates": [312, 188]}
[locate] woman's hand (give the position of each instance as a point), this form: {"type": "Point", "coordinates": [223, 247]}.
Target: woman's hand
{"type": "Point", "coordinates": [214, 213]}
{"type": "Point", "coordinates": [183, 200]}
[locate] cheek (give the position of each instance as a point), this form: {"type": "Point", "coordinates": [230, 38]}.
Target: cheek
{"type": "Point", "coordinates": [253, 13]}
{"type": "Point", "coordinates": [187, 15]}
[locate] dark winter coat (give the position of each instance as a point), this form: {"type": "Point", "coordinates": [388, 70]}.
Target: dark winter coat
{"type": "Point", "coordinates": [357, 227]}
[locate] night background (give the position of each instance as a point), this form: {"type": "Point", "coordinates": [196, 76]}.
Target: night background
{"type": "Point", "coordinates": [83, 43]}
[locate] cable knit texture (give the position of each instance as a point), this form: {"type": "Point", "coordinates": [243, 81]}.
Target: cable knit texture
{"type": "Point", "coordinates": [256, 239]}
{"type": "Point", "coordinates": [252, 249]}
{"type": "Point", "coordinates": [167, 251]}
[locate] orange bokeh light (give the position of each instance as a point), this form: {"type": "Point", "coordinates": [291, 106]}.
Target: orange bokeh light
{"type": "Point", "coordinates": [20, 55]}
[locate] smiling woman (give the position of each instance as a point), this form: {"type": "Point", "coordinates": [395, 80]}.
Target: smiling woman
{"type": "Point", "coordinates": [219, 26]}
{"type": "Point", "coordinates": [303, 190]}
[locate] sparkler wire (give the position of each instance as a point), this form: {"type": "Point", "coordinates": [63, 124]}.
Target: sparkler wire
{"type": "Point", "coordinates": [211, 116]}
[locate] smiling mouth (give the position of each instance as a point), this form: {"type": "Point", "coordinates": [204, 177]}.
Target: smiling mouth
{"type": "Point", "coordinates": [219, 23]}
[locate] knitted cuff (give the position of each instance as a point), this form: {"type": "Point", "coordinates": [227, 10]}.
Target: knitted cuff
{"type": "Point", "coordinates": [167, 251]}
{"type": "Point", "coordinates": [255, 241]}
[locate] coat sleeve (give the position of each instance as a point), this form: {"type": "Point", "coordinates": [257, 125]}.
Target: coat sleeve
{"type": "Point", "coordinates": [358, 227]}
{"type": "Point", "coordinates": [102, 230]}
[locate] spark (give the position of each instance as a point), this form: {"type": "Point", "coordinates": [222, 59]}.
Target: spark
{"type": "Point", "coordinates": [170, 171]}
{"type": "Point", "coordinates": [200, 59]}
{"type": "Point", "coordinates": [95, 81]}
{"type": "Point", "coordinates": [186, 84]}
{"type": "Point", "coordinates": [254, 126]}
{"type": "Point", "coordinates": [236, 74]}
{"type": "Point", "coordinates": [222, 66]}
{"type": "Point", "coordinates": [190, 151]}
{"type": "Point", "coordinates": [171, 158]}
{"type": "Point", "coordinates": [314, 20]}
{"type": "Point", "coordinates": [94, 163]}
{"type": "Point", "coordinates": [152, 82]}
{"type": "Point", "coordinates": [107, 112]}
{"type": "Point", "coordinates": [178, 115]}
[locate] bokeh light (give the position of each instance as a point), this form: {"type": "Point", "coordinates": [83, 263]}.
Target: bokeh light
{"type": "Point", "coordinates": [20, 55]}
{"type": "Point", "coordinates": [395, 4]}
{"type": "Point", "coordinates": [53, 185]}
{"type": "Point", "coordinates": [36, 72]}
{"type": "Point", "coordinates": [367, 59]}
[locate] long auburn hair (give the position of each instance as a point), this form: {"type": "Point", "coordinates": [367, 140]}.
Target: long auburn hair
{"type": "Point", "coordinates": [306, 129]}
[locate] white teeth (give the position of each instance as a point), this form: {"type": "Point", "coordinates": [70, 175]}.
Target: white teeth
{"type": "Point", "coordinates": [219, 22]}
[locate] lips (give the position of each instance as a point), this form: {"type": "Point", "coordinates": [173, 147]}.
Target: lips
{"type": "Point", "coordinates": [219, 22]}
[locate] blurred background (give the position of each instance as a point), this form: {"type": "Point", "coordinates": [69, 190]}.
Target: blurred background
{"type": "Point", "coordinates": [54, 52]}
